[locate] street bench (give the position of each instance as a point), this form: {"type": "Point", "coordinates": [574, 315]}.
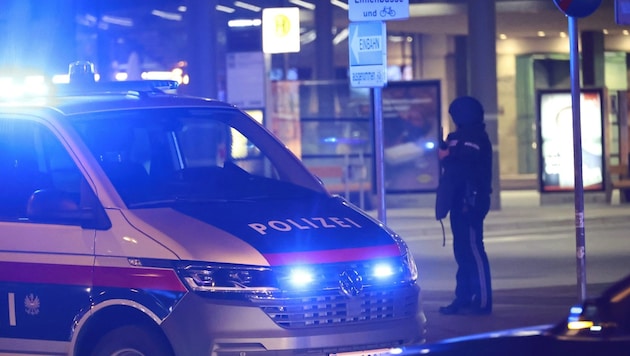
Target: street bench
{"type": "Point", "coordinates": [336, 180]}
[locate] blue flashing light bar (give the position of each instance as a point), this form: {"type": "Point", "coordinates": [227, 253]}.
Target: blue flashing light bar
{"type": "Point", "coordinates": [139, 86]}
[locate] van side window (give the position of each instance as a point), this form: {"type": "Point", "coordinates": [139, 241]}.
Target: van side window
{"type": "Point", "coordinates": [212, 144]}
{"type": "Point", "coordinates": [33, 163]}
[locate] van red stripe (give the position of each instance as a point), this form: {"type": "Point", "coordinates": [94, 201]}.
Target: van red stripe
{"type": "Point", "coordinates": [116, 277]}
{"type": "Point", "coordinates": [138, 278]}
{"type": "Point", "coordinates": [45, 273]}
{"type": "Point", "coordinates": [331, 256]}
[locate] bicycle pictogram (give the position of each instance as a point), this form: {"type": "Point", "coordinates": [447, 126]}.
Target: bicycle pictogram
{"type": "Point", "coordinates": [388, 11]}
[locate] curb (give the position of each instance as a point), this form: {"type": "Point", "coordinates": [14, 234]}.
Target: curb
{"type": "Point", "coordinates": [513, 221]}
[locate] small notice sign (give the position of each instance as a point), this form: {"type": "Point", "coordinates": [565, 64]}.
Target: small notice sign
{"type": "Point", "coordinates": [622, 12]}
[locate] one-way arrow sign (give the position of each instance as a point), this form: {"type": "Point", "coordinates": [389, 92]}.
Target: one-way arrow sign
{"type": "Point", "coordinates": [368, 47]}
{"type": "Point", "coordinates": [368, 54]}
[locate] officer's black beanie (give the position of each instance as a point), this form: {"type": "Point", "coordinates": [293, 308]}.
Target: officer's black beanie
{"type": "Point", "coordinates": [466, 110]}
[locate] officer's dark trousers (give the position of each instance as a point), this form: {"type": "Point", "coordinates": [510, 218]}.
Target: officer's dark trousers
{"type": "Point", "coordinates": [473, 269]}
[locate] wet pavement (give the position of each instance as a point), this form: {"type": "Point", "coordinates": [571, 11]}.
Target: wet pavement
{"type": "Point", "coordinates": [521, 212]}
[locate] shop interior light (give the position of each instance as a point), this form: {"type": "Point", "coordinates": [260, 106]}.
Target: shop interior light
{"type": "Point", "coordinates": [308, 37]}
{"type": "Point", "coordinates": [167, 15]}
{"type": "Point", "coordinates": [304, 4]}
{"type": "Point", "coordinates": [225, 9]}
{"type": "Point", "coordinates": [435, 9]}
{"type": "Point", "coordinates": [396, 39]}
{"type": "Point", "coordinates": [339, 4]}
{"type": "Point", "coordinates": [120, 21]}
{"type": "Point", "coordinates": [247, 6]}
{"type": "Point", "coordinates": [245, 23]}
{"type": "Point", "coordinates": [341, 36]}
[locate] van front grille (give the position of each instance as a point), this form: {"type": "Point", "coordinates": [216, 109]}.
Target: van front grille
{"type": "Point", "coordinates": [333, 308]}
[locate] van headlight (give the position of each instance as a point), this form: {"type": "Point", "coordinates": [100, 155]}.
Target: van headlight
{"type": "Point", "coordinates": [392, 271]}
{"type": "Point", "coordinates": [407, 259]}
{"type": "Point", "coordinates": [410, 264]}
{"type": "Point", "coordinates": [228, 278]}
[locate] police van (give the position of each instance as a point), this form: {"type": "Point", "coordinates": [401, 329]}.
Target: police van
{"type": "Point", "coordinates": [134, 221]}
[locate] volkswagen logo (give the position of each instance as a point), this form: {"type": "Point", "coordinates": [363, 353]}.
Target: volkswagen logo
{"type": "Point", "coordinates": [350, 282]}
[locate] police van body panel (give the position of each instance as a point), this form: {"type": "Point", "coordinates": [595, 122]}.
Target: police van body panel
{"type": "Point", "coordinates": [168, 225]}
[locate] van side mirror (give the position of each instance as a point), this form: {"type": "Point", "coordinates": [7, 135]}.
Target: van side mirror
{"type": "Point", "coordinates": [56, 207]}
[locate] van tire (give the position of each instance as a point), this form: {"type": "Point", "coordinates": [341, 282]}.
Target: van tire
{"type": "Point", "coordinates": [132, 340]}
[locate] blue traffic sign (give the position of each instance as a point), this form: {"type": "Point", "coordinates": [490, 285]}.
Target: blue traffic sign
{"type": "Point", "coordinates": [368, 54]}
{"type": "Point", "coordinates": [368, 43]}
{"type": "Point", "coordinates": [577, 8]}
{"type": "Point", "coordinates": [369, 10]}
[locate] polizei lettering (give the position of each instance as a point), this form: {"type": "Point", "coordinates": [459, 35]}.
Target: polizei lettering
{"type": "Point", "coordinates": [304, 224]}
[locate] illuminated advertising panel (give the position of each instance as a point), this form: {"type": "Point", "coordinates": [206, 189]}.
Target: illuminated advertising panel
{"type": "Point", "coordinates": [411, 134]}
{"type": "Point", "coordinates": [555, 140]}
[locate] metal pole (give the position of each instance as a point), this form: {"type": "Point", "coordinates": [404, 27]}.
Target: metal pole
{"type": "Point", "coordinates": [622, 120]}
{"type": "Point", "coordinates": [361, 180]}
{"type": "Point", "coordinates": [379, 153]}
{"type": "Point", "coordinates": [580, 239]}
{"type": "Point", "coordinates": [346, 175]}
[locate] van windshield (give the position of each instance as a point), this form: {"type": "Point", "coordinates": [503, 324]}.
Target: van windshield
{"type": "Point", "coordinates": [160, 156]}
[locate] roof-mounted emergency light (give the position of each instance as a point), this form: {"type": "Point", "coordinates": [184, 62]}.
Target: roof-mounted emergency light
{"type": "Point", "coordinates": [81, 72]}
{"type": "Point", "coordinates": [82, 81]}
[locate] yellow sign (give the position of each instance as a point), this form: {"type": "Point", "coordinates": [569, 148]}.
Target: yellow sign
{"type": "Point", "coordinates": [281, 30]}
{"type": "Point", "coordinates": [283, 25]}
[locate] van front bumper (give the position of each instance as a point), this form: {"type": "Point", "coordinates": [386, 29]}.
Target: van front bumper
{"type": "Point", "coordinates": [208, 326]}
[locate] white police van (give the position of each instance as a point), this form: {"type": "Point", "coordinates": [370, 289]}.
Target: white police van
{"type": "Point", "coordinates": [136, 222]}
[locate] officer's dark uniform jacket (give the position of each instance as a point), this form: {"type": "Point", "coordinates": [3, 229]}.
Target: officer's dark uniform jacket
{"type": "Point", "coordinates": [464, 191]}
{"type": "Point", "coordinates": [466, 178]}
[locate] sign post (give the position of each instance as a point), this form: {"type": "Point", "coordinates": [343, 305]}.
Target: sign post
{"type": "Point", "coordinates": [574, 9]}
{"type": "Point", "coordinates": [368, 67]}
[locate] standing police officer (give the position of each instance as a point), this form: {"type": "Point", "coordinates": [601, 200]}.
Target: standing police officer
{"type": "Point", "coordinates": [464, 190]}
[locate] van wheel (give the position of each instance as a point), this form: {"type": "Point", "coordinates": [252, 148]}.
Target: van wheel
{"type": "Point", "coordinates": [132, 340]}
